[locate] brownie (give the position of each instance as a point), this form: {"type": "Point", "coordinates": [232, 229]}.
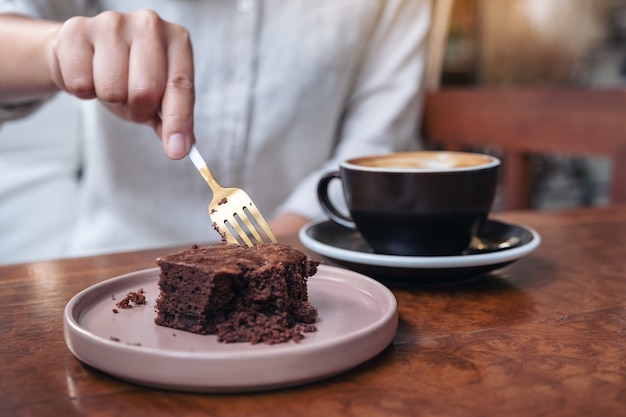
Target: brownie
{"type": "Point", "coordinates": [242, 294]}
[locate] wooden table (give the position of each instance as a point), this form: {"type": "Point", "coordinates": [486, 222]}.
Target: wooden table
{"type": "Point", "coordinates": [545, 336]}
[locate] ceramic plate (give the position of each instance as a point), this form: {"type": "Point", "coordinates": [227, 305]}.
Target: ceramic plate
{"type": "Point", "coordinates": [347, 248]}
{"type": "Point", "coordinates": [357, 320]}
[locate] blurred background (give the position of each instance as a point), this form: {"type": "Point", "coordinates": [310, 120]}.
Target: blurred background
{"type": "Point", "coordinates": [496, 43]}
{"type": "Point", "coordinates": [543, 43]}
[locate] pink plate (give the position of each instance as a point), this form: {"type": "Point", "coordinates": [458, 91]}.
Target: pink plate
{"type": "Point", "coordinates": [358, 318]}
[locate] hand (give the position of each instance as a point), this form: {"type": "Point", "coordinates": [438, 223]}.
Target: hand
{"type": "Point", "coordinates": [287, 224]}
{"type": "Point", "coordinates": [137, 64]}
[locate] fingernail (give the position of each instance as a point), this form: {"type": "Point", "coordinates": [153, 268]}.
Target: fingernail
{"type": "Point", "coordinates": [176, 147]}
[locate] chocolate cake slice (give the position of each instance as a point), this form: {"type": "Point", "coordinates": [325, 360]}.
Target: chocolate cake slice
{"type": "Point", "coordinates": [242, 294]}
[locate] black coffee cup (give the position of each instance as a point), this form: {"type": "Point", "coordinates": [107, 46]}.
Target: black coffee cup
{"type": "Point", "coordinates": [425, 203]}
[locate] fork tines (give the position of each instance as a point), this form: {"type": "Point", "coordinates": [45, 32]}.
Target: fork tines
{"type": "Point", "coordinates": [234, 215]}
{"type": "Point", "coordinates": [247, 227]}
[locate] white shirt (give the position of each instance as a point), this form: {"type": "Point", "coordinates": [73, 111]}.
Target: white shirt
{"type": "Point", "coordinates": [284, 91]}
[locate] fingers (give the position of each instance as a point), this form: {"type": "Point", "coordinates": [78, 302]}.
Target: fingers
{"type": "Point", "coordinates": [72, 68]}
{"type": "Point", "coordinates": [179, 96]}
{"type": "Point", "coordinates": [91, 58]}
{"type": "Point", "coordinates": [110, 58]}
{"type": "Point", "coordinates": [140, 66]}
{"type": "Point", "coordinates": [147, 71]}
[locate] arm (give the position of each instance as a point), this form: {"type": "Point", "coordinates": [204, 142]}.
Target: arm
{"type": "Point", "coordinates": [22, 45]}
{"type": "Point", "coordinates": [287, 224]}
{"type": "Point", "coordinates": [382, 114]}
{"type": "Point", "coordinates": [382, 111]}
{"type": "Point", "coordinates": [138, 65]}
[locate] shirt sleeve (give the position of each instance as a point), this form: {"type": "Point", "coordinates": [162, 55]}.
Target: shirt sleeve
{"type": "Point", "coordinates": [45, 9]}
{"type": "Point", "coordinates": [12, 112]}
{"type": "Point", "coordinates": [383, 110]}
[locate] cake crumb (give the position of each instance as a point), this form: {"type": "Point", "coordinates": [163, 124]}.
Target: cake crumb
{"type": "Point", "coordinates": [220, 231]}
{"type": "Point", "coordinates": [134, 297]}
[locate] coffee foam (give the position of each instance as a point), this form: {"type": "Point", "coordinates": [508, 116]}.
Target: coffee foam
{"type": "Point", "coordinates": [425, 160]}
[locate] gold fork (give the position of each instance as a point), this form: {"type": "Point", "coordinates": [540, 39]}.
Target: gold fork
{"type": "Point", "coordinates": [234, 215]}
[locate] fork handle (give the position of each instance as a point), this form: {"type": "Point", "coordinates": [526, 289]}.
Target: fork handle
{"type": "Point", "coordinates": [202, 167]}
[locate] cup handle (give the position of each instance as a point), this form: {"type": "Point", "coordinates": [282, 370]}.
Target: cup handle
{"type": "Point", "coordinates": [327, 206]}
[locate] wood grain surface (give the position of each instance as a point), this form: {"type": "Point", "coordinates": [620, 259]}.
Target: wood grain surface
{"type": "Point", "coordinates": [545, 336]}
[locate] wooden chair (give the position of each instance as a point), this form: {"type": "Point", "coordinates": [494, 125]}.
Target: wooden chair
{"type": "Point", "coordinates": [525, 121]}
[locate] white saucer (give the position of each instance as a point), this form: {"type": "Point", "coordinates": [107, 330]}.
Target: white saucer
{"type": "Point", "coordinates": [347, 248]}
{"type": "Point", "coordinates": [358, 319]}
